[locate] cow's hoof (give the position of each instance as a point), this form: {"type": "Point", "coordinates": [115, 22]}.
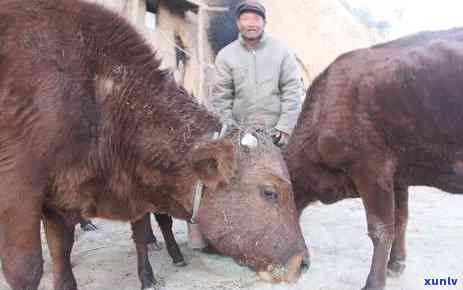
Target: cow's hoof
{"type": "Point", "coordinates": [372, 288]}
{"type": "Point", "coordinates": [151, 284]}
{"type": "Point", "coordinates": [154, 247]}
{"type": "Point", "coordinates": [395, 269]}
{"type": "Point", "coordinates": [181, 263]}
{"type": "Point", "coordinates": [155, 286]}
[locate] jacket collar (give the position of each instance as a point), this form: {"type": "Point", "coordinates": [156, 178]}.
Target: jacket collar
{"type": "Point", "coordinates": [262, 40]}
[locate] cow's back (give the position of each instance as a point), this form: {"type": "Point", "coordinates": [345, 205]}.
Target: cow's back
{"type": "Point", "coordinates": [49, 110]}
{"type": "Point", "coordinates": [405, 93]}
{"type": "Point", "coordinates": [400, 100]}
{"type": "Point", "coordinates": [417, 92]}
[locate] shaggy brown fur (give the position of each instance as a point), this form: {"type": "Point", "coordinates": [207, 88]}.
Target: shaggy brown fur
{"type": "Point", "coordinates": [376, 121]}
{"type": "Point", "coordinates": [91, 127]}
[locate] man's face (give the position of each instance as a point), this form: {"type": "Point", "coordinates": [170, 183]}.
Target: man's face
{"type": "Point", "coordinates": [250, 25]}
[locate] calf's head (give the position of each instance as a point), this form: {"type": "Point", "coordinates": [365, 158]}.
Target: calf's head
{"type": "Point", "coordinates": [248, 210]}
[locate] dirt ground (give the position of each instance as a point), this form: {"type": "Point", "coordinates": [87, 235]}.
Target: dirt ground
{"type": "Point", "coordinates": [336, 234]}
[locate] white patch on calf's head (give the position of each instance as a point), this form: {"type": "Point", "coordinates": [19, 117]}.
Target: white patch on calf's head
{"type": "Point", "coordinates": [249, 140]}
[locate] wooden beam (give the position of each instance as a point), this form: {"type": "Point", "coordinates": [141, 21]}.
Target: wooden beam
{"type": "Point", "coordinates": [132, 11]}
{"type": "Point", "coordinates": [195, 2]}
{"type": "Point", "coordinates": [206, 7]}
{"type": "Point", "coordinates": [201, 42]}
{"type": "Point", "coordinates": [141, 13]}
{"type": "Point", "coordinates": [216, 9]}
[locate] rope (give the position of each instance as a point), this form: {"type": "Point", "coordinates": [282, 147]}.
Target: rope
{"type": "Point", "coordinates": [200, 186]}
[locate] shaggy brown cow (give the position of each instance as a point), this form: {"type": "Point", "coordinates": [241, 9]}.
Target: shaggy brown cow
{"type": "Point", "coordinates": [91, 127]}
{"type": "Point", "coordinates": [376, 121]}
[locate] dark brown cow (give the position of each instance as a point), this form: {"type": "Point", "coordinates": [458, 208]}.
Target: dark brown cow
{"type": "Point", "coordinates": [376, 121]}
{"type": "Point", "coordinates": [91, 127]}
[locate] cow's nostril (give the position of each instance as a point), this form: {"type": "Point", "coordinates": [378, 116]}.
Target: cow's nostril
{"type": "Point", "coordinates": [305, 264]}
{"type": "Point", "coordinates": [297, 265]}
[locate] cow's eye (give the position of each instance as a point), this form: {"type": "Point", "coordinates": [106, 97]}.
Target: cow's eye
{"type": "Point", "coordinates": [269, 193]}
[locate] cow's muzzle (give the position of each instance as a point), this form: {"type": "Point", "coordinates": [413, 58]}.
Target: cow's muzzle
{"type": "Point", "coordinates": [291, 272]}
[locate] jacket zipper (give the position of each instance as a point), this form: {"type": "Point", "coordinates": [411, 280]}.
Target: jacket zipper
{"type": "Point", "coordinates": [255, 71]}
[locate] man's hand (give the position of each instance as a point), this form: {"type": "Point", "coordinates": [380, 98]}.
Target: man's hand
{"type": "Point", "coordinates": [280, 138]}
{"type": "Point", "coordinates": [284, 139]}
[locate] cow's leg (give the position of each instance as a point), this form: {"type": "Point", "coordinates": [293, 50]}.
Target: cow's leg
{"type": "Point", "coordinates": [149, 237]}
{"type": "Point", "coordinates": [60, 238]}
{"type": "Point", "coordinates": [396, 263]}
{"type": "Point", "coordinates": [165, 223]}
{"type": "Point", "coordinates": [145, 272]}
{"type": "Point", "coordinates": [374, 182]}
{"type": "Point", "coordinates": [20, 247]}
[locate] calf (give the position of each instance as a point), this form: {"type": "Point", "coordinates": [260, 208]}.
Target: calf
{"type": "Point", "coordinates": [90, 126]}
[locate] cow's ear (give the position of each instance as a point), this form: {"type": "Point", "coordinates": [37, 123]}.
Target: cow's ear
{"type": "Point", "coordinates": [214, 162]}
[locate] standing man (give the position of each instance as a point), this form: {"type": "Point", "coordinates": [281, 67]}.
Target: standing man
{"type": "Point", "coordinates": [257, 80]}
{"type": "Point", "coordinates": [257, 77]}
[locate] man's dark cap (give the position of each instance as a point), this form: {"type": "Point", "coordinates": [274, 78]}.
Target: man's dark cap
{"type": "Point", "coordinates": [250, 6]}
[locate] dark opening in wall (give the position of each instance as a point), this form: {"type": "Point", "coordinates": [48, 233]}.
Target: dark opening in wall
{"type": "Point", "coordinates": [151, 14]}
{"type": "Point", "coordinates": [222, 27]}
{"type": "Point", "coordinates": [152, 6]}
{"type": "Point", "coordinates": [182, 5]}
